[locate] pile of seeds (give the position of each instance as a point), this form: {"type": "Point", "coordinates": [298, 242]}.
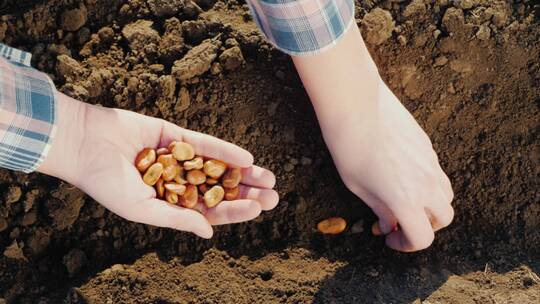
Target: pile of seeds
{"type": "Point", "coordinates": [182, 178]}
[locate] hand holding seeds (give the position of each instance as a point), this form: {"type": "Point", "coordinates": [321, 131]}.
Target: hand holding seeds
{"type": "Point", "coordinates": [98, 155]}
{"type": "Point", "coordinates": [182, 178]}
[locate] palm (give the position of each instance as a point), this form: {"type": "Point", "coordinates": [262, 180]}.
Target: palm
{"type": "Point", "coordinates": [110, 178]}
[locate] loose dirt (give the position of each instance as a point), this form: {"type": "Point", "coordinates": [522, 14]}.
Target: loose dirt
{"type": "Point", "coordinates": [468, 70]}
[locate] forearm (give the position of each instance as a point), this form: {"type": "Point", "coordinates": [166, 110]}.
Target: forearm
{"type": "Point", "coordinates": [342, 82]}
{"type": "Point", "coordinates": [70, 121]}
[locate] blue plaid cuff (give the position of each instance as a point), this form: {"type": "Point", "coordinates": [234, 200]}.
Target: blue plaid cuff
{"type": "Point", "coordinates": [303, 27]}
{"type": "Point", "coordinates": [27, 112]}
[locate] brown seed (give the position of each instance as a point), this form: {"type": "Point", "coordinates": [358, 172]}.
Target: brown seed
{"type": "Point", "coordinates": [153, 174]}
{"type": "Point", "coordinates": [163, 151]}
{"type": "Point", "coordinates": [190, 197]}
{"type": "Point", "coordinates": [145, 159]}
{"type": "Point", "coordinates": [333, 225]}
{"type": "Point", "coordinates": [171, 171]}
{"type": "Point", "coordinates": [231, 178]}
{"type": "Point", "coordinates": [196, 177]}
{"type": "Point", "coordinates": [183, 151]}
{"type": "Point", "coordinates": [214, 168]}
{"type": "Point", "coordinates": [175, 188]}
{"type": "Point", "coordinates": [203, 188]}
{"type": "Point", "coordinates": [179, 179]}
{"type": "Point", "coordinates": [171, 197]}
{"type": "Point", "coordinates": [167, 160]}
{"type": "Point", "coordinates": [211, 181]}
{"type": "Point", "coordinates": [160, 189]}
{"type": "Point", "coordinates": [214, 196]}
{"type": "Point", "coordinates": [196, 163]}
{"type": "Point", "coordinates": [232, 194]}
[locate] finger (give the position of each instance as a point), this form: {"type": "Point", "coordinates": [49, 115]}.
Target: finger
{"type": "Point", "coordinates": [387, 221]}
{"type": "Point", "coordinates": [268, 199]}
{"type": "Point", "coordinates": [415, 231]}
{"type": "Point", "coordinates": [161, 214]}
{"type": "Point", "coordinates": [208, 146]}
{"type": "Point", "coordinates": [258, 177]}
{"type": "Point", "coordinates": [229, 212]}
{"type": "Point", "coordinates": [440, 216]}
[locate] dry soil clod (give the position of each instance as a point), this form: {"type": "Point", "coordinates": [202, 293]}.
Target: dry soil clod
{"type": "Point", "coordinates": [333, 225]}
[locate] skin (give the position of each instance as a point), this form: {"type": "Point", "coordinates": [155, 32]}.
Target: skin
{"type": "Point", "coordinates": [380, 151]}
{"type": "Point", "coordinates": [95, 148]}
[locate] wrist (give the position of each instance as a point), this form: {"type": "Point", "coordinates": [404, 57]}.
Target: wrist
{"type": "Point", "coordinates": [61, 162]}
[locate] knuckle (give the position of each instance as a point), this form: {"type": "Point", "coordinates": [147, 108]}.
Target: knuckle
{"type": "Point", "coordinates": [423, 242]}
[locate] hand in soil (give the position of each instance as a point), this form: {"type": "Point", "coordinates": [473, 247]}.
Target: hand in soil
{"type": "Point", "coordinates": [381, 153]}
{"type": "Point", "coordinates": [95, 149]}
{"type": "Point", "coordinates": [397, 173]}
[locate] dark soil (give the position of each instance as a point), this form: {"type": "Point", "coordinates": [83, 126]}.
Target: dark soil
{"type": "Point", "coordinates": [469, 71]}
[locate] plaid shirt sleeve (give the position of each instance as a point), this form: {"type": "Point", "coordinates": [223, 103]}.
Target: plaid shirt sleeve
{"type": "Point", "coordinates": [303, 27]}
{"type": "Point", "coordinates": [27, 112]}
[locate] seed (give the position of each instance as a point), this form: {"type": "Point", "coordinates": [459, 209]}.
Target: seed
{"type": "Point", "coordinates": [211, 181]}
{"type": "Point", "coordinates": [232, 178]}
{"type": "Point", "coordinates": [214, 196]}
{"type": "Point", "coordinates": [196, 163]}
{"type": "Point", "coordinates": [153, 174]}
{"type": "Point", "coordinates": [183, 151]}
{"type": "Point", "coordinates": [179, 179]}
{"type": "Point", "coordinates": [333, 225]}
{"type": "Point", "coordinates": [190, 197]}
{"type": "Point", "coordinates": [196, 177]}
{"type": "Point", "coordinates": [175, 188]}
{"type": "Point", "coordinates": [171, 197]}
{"type": "Point", "coordinates": [171, 171]}
{"type": "Point", "coordinates": [203, 188]}
{"type": "Point", "coordinates": [167, 160]}
{"type": "Point", "coordinates": [145, 159]}
{"type": "Point", "coordinates": [214, 168]}
{"type": "Point", "coordinates": [163, 151]}
{"type": "Point", "coordinates": [160, 189]}
{"type": "Point", "coordinates": [231, 194]}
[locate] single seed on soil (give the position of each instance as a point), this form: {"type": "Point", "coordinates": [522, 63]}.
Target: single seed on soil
{"type": "Point", "coordinates": [171, 171]}
{"type": "Point", "coordinates": [171, 197]}
{"type": "Point", "coordinates": [196, 163]}
{"type": "Point", "coordinates": [167, 160]}
{"type": "Point", "coordinates": [190, 197]}
{"type": "Point", "coordinates": [153, 174]}
{"type": "Point", "coordinates": [160, 189]}
{"type": "Point", "coordinates": [175, 188]}
{"type": "Point", "coordinates": [211, 181]}
{"type": "Point", "coordinates": [162, 151]}
{"type": "Point", "coordinates": [183, 151]}
{"type": "Point", "coordinates": [214, 168]}
{"type": "Point", "coordinates": [232, 194]}
{"type": "Point", "coordinates": [203, 188]}
{"type": "Point", "coordinates": [214, 196]}
{"type": "Point", "coordinates": [333, 225]}
{"type": "Point", "coordinates": [196, 177]}
{"type": "Point", "coordinates": [145, 159]}
{"type": "Point", "coordinates": [232, 178]}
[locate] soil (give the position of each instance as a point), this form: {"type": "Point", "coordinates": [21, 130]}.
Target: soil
{"type": "Point", "coordinates": [468, 70]}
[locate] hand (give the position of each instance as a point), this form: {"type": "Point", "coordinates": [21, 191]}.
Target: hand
{"type": "Point", "coordinates": [386, 159]}
{"type": "Point", "coordinates": [95, 149]}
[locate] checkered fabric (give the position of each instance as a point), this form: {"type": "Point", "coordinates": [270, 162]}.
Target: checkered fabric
{"type": "Point", "coordinates": [27, 112]}
{"type": "Point", "coordinates": [303, 27]}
